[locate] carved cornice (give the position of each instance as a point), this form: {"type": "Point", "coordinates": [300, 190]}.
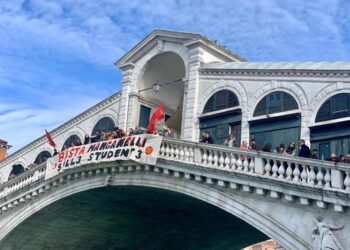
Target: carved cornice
{"type": "Point", "coordinates": [276, 72]}
{"type": "Point", "coordinates": [65, 126]}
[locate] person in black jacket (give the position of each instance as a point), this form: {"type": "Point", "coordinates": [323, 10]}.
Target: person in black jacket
{"type": "Point", "coordinates": [304, 150]}
{"type": "Point", "coordinates": [207, 138]}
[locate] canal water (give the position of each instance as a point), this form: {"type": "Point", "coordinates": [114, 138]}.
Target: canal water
{"type": "Point", "coordinates": [131, 218]}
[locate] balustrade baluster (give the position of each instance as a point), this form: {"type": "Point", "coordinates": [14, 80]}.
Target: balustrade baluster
{"type": "Point", "coordinates": [296, 173]}
{"type": "Point", "coordinates": [312, 175]}
{"type": "Point", "coordinates": [327, 178]}
{"type": "Point", "coordinates": [204, 156]}
{"type": "Point", "coordinates": [267, 167]}
{"type": "Point", "coordinates": [182, 153]}
{"type": "Point", "coordinates": [177, 152]}
{"type": "Point", "coordinates": [215, 159]}
{"type": "Point", "coordinates": [162, 149]}
{"type": "Point", "coordinates": [210, 158]}
{"type": "Point", "coordinates": [347, 181]}
{"type": "Point", "coordinates": [172, 151]}
{"type": "Point", "coordinates": [233, 162]}
{"type": "Point", "coordinates": [227, 161]}
{"type": "Point", "coordinates": [221, 160]}
{"type": "Point", "coordinates": [252, 165]}
{"type": "Point", "coordinates": [187, 153]}
{"type": "Point", "coordinates": [303, 174]}
{"type": "Point", "coordinates": [274, 169]}
{"type": "Point", "coordinates": [289, 171]}
{"type": "Point", "coordinates": [319, 177]}
{"type": "Point", "coordinates": [246, 164]}
{"type": "Point", "coordinates": [281, 171]}
{"type": "Point", "coordinates": [191, 154]}
{"type": "Point", "coordinates": [239, 164]}
{"type": "Point", "coordinates": [167, 151]}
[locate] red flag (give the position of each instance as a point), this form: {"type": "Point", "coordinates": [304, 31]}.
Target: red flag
{"type": "Point", "coordinates": [49, 138]}
{"type": "Point", "coordinates": [156, 116]}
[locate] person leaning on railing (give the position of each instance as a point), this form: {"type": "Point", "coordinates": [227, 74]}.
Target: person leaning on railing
{"type": "Point", "coordinates": [230, 140]}
{"type": "Point", "coordinates": [290, 150]}
{"type": "Point", "coordinates": [304, 150]}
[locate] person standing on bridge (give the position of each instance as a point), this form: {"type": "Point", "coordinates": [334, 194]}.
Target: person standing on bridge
{"type": "Point", "coordinates": [207, 138]}
{"type": "Point", "coordinates": [254, 145]}
{"type": "Point", "coordinates": [304, 150]}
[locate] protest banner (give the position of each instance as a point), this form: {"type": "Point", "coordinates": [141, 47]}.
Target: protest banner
{"type": "Point", "coordinates": [140, 148]}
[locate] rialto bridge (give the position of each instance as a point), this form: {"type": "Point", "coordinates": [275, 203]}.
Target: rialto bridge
{"type": "Point", "coordinates": [301, 203]}
{"type": "Point", "coordinates": [284, 197]}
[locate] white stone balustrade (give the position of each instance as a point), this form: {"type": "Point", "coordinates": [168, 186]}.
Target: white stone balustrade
{"type": "Point", "coordinates": [22, 181]}
{"type": "Point", "coordinates": [285, 168]}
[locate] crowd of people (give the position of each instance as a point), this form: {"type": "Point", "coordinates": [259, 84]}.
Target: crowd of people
{"type": "Point", "coordinates": [291, 149]}
{"type": "Point", "coordinates": [99, 135]}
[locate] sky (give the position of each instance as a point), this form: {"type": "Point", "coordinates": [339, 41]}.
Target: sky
{"type": "Point", "coordinates": [57, 57]}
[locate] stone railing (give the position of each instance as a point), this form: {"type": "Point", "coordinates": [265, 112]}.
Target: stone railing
{"type": "Point", "coordinates": [285, 168]}
{"type": "Point", "coordinates": [22, 180]}
{"type": "Point", "coordinates": [301, 171]}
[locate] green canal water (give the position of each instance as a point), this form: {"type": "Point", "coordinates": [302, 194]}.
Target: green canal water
{"type": "Point", "coordinates": [131, 218]}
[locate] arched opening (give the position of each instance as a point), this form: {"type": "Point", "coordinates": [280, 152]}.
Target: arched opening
{"type": "Point", "coordinates": [111, 218]}
{"type": "Point", "coordinates": [272, 123]}
{"type": "Point", "coordinates": [42, 157]}
{"type": "Point", "coordinates": [166, 70]}
{"type": "Point", "coordinates": [72, 141]}
{"type": "Point", "coordinates": [221, 117]}
{"type": "Point", "coordinates": [106, 123]}
{"type": "Point", "coordinates": [16, 170]}
{"type": "Point", "coordinates": [327, 136]}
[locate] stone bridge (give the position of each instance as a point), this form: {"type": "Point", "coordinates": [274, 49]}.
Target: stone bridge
{"type": "Point", "coordinates": [301, 203]}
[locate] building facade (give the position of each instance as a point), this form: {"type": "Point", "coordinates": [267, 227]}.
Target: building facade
{"type": "Point", "coordinates": [205, 87]}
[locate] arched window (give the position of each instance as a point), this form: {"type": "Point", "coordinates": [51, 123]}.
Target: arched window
{"type": "Point", "coordinates": [335, 107]}
{"type": "Point", "coordinates": [71, 139]}
{"type": "Point", "coordinates": [275, 102]}
{"type": "Point", "coordinates": [106, 124]}
{"type": "Point", "coordinates": [17, 169]}
{"type": "Point", "coordinates": [222, 99]}
{"type": "Point", "coordinates": [42, 157]}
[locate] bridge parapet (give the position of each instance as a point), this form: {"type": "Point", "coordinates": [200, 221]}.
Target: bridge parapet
{"type": "Point", "coordinates": [321, 176]}
{"type": "Point", "coordinates": [297, 172]}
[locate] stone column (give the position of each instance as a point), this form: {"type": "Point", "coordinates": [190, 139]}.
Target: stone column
{"type": "Point", "coordinates": [124, 99]}
{"type": "Point", "coordinates": [190, 119]}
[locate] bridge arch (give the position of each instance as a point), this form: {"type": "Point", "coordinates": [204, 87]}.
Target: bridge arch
{"type": "Point", "coordinates": [167, 71]}
{"type": "Point", "coordinates": [209, 194]}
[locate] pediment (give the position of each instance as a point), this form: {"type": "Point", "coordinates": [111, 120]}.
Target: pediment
{"type": "Point", "coordinates": [187, 39]}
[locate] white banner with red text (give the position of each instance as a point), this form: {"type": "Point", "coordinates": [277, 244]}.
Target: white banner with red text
{"type": "Point", "coordinates": [141, 148]}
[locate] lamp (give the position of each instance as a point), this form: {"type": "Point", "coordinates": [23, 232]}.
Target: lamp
{"type": "Point", "coordinates": [156, 87]}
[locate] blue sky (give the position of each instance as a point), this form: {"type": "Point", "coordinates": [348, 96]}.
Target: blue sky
{"type": "Point", "coordinates": [55, 55]}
